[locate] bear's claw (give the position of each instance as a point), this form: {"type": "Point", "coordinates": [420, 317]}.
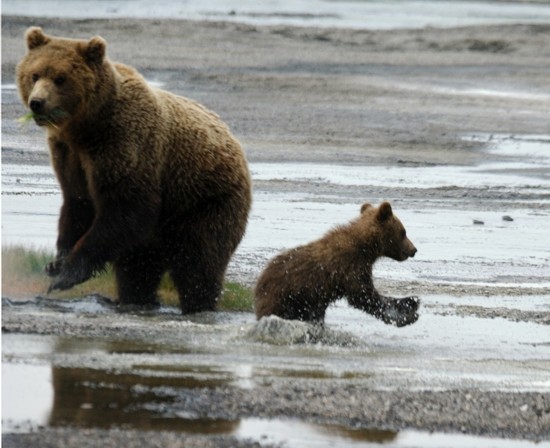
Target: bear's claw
{"type": "Point", "coordinates": [53, 268]}
{"type": "Point", "coordinates": [68, 275]}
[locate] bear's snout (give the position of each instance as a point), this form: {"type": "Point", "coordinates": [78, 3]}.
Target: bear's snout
{"type": "Point", "coordinates": [37, 105]}
{"type": "Point", "coordinates": [409, 250]}
{"type": "Point", "coordinates": [43, 97]}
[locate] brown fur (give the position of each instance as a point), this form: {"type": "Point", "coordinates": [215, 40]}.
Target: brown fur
{"type": "Point", "coordinates": [301, 283]}
{"type": "Point", "coordinates": [151, 181]}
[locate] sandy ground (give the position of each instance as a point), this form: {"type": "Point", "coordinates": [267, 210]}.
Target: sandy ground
{"type": "Point", "coordinates": [389, 98]}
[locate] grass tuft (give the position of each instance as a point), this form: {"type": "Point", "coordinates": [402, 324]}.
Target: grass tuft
{"type": "Point", "coordinates": [23, 276]}
{"type": "Point", "coordinates": [236, 297]}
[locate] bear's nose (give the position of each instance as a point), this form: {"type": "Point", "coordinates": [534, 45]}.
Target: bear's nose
{"type": "Point", "coordinates": [413, 251]}
{"type": "Point", "coordinates": [37, 105]}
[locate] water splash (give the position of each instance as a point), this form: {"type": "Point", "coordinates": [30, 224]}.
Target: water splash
{"type": "Point", "coordinates": [276, 331]}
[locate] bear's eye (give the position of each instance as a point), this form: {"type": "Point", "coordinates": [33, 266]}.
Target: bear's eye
{"type": "Point", "coordinates": [59, 80]}
{"type": "Point", "coordinates": [35, 77]}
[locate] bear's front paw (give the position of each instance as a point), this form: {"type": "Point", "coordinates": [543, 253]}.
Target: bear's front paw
{"type": "Point", "coordinates": [401, 312]}
{"type": "Point", "coordinates": [69, 276]}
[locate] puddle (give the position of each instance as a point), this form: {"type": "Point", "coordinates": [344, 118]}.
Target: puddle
{"type": "Point", "coordinates": [27, 396]}
{"type": "Point", "coordinates": [304, 435]}
{"type": "Point", "coordinates": [41, 396]}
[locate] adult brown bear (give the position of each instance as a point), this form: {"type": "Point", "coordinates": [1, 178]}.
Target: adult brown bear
{"type": "Point", "coordinates": [151, 181]}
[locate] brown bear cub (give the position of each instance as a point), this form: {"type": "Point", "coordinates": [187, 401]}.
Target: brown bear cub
{"type": "Point", "coordinates": [151, 182]}
{"type": "Point", "coordinates": [302, 282]}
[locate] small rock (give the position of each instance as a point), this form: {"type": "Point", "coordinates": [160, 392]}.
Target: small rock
{"type": "Point", "coordinates": [478, 222]}
{"type": "Point", "coordinates": [507, 218]}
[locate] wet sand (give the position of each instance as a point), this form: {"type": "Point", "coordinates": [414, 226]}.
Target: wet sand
{"type": "Point", "coordinates": [303, 95]}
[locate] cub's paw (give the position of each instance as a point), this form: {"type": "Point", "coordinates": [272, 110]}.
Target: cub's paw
{"type": "Point", "coordinates": [401, 312]}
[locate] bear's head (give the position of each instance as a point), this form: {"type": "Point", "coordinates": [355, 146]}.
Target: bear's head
{"type": "Point", "coordinates": [58, 78]}
{"type": "Point", "coordinates": [390, 235]}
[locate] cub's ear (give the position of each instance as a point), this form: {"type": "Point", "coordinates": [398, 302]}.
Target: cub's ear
{"type": "Point", "coordinates": [35, 37]}
{"type": "Point", "coordinates": [94, 50]}
{"type": "Point", "coordinates": [365, 207]}
{"type": "Point", "coordinates": [384, 212]}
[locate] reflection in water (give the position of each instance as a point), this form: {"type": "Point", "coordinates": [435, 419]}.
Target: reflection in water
{"type": "Point", "coordinates": [93, 398]}
{"type": "Point", "coordinates": [300, 434]}
{"type": "Point", "coordinates": [150, 398]}
{"type": "Point", "coordinates": [115, 347]}
{"type": "Point", "coordinates": [358, 435]}
{"type": "Point", "coordinates": [99, 399]}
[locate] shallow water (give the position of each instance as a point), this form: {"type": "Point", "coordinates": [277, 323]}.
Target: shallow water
{"type": "Point", "coordinates": [452, 248]}
{"type": "Point", "coordinates": [344, 14]}
{"type": "Point", "coordinates": [92, 398]}
{"type": "Point", "coordinates": [436, 350]}
{"type": "Point", "coordinates": [121, 380]}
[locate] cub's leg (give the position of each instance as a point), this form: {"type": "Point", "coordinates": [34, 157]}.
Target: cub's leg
{"type": "Point", "coordinates": [398, 312]}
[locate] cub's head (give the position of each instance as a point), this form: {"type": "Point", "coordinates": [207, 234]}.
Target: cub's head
{"type": "Point", "coordinates": [390, 234]}
{"type": "Point", "coordinates": [58, 78]}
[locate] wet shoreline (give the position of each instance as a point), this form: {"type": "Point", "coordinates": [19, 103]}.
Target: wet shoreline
{"type": "Point", "coordinates": [154, 353]}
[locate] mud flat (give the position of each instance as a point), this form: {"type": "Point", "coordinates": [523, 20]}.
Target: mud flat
{"type": "Point", "coordinates": [451, 125]}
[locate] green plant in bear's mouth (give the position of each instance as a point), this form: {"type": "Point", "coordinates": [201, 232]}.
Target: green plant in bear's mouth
{"type": "Point", "coordinates": [26, 118]}
{"type": "Point", "coordinates": [23, 276]}
{"type": "Point", "coordinates": [49, 118]}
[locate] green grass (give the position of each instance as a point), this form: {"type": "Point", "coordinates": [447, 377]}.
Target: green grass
{"type": "Point", "coordinates": [236, 297]}
{"type": "Point", "coordinates": [23, 276]}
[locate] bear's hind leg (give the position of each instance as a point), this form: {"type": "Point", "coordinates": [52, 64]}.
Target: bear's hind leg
{"type": "Point", "coordinates": [197, 269]}
{"type": "Point", "coordinates": [201, 245]}
{"type": "Point", "coordinates": [198, 286]}
{"type": "Point", "coordinates": [138, 275]}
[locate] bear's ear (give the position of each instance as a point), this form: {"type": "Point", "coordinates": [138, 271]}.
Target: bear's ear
{"type": "Point", "coordinates": [35, 37]}
{"type": "Point", "coordinates": [94, 50]}
{"type": "Point", "coordinates": [384, 212]}
{"type": "Point", "coordinates": [365, 207]}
